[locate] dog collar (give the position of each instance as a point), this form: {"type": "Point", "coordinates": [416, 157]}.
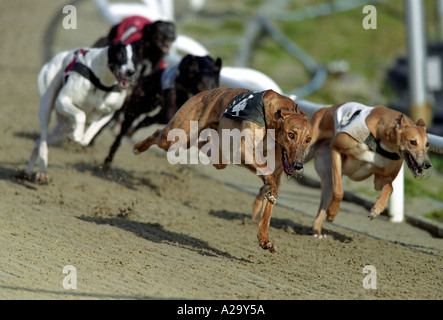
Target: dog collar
{"type": "Point", "coordinates": [89, 74]}
{"type": "Point", "coordinates": [375, 146]}
{"type": "Point", "coordinates": [83, 70]}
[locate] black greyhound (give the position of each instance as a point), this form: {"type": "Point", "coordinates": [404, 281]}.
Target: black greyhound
{"type": "Point", "coordinates": [168, 88]}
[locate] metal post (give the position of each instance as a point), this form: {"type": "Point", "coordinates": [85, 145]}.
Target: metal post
{"type": "Point", "coordinates": [396, 201]}
{"type": "Point", "coordinates": [440, 18]}
{"type": "Point", "coordinates": [416, 37]}
{"type": "Point", "coordinates": [419, 108]}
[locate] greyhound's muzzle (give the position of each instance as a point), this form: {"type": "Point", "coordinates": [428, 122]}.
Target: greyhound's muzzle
{"type": "Point", "coordinates": [290, 169]}
{"type": "Point", "coordinates": [418, 168]}
{"type": "Point", "coordinates": [125, 78]}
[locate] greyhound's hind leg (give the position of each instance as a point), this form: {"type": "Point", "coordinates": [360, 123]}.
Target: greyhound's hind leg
{"type": "Point", "coordinates": [323, 169]}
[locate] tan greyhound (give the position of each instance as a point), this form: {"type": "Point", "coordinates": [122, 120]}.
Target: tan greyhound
{"type": "Point", "coordinates": [358, 141]}
{"type": "Point", "coordinates": [273, 115]}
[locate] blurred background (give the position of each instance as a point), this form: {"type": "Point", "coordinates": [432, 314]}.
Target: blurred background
{"type": "Point", "coordinates": [316, 49]}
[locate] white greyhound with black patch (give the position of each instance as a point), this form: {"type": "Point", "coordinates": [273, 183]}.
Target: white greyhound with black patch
{"type": "Point", "coordinates": [85, 87]}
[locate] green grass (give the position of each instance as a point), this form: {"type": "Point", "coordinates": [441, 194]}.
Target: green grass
{"type": "Point", "coordinates": [435, 215]}
{"type": "Point", "coordinates": [430, 187]}
{"type": "Point", "coordinates": [437, 161]}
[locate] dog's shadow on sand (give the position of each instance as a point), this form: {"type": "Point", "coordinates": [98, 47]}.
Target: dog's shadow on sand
{"type": "Point", "coordinates": [282, 224]}
{"type": "Point", "coordinates": [17, 176]}
{"type": "Point", "coordinates": [31, 135]}
{"type": "Point", "coordinates": [128, 178]}
{"type": "Point", "coordinates": [155, 232]}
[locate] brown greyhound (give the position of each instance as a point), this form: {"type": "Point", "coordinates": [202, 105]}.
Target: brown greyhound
{"type": "Point", "coordinates": [275, 118]}
{"type": "Point", "coordinates": [358, 141]}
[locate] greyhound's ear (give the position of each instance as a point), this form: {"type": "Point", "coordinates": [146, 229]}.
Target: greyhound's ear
{"type": "Point", "coordinates": [399, 121]}
{"type": "Point", "coordinates": [298, 110]}
{"type": "Point", "coordinates": [218, 65]}
{"type": "Point", "coordinates": [283, 113]}
{"type": "Point", "coordinates": [146, 31]}
{"type": "Point", "coordinates": [421, 123]}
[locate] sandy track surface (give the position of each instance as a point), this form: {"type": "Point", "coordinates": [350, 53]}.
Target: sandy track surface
{"type": "Point", "coordinates": [153, 230]}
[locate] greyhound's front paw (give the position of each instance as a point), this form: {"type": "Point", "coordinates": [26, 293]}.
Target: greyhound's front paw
{"type": "Point", "coordinates": [372, 214]}
{"type": "Point", "coordinates": [319, 235]}
{"type": "Point", "coordinates": [137, 149]}
{"type": "Point", "coordinates": [266, 244]}
{"type": "Point", "coordinates": [316, 232]}
{"type": "Point", "coordinates": [271, 198]}
{"type": "Point", "coordinates": [42, 178]}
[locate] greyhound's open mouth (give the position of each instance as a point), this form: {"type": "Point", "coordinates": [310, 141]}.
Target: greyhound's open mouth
{"type": "Point", "coordinates": [123, 81]}
{"type": "Point", "coordinates": [290, 170]}
{"type": "Point", "coordinates": [416, 169]}
{"type": "Point", "coordinates": [165, 46]}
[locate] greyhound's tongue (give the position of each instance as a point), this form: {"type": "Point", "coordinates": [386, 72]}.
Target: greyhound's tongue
{"type": "Point", "coordinates": [286, 166]}
{"type": "Point", "coordinates": [124, 83]}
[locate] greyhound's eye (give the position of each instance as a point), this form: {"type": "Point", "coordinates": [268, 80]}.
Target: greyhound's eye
{"type": "Point", "coordinates": [291, 135]}
{"type": "Point", "coordinates": [427, 144]}
{"type": "Point", "coordinates": [120, 56]}
{"type": "Point", "coordinates": [413, 142]}
{"type": "Point", "coordinates": [308, 140]}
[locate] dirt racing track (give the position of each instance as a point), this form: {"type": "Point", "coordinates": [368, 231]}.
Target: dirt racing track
{"type": "Point", "coordinates": [152, 230]}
